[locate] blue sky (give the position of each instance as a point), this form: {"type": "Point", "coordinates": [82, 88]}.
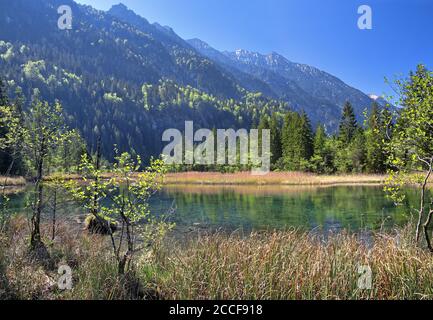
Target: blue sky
{"type": "Point", "coordinates": [322, 33]}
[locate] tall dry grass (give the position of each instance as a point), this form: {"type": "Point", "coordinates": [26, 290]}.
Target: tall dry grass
{"type": "Point", "coordinates": [94, 270]}
{"type": "Point", "coordinates": [12, 181]}
{"type": "Point", "coordinates": [294, 265]}
{"type": "Point", "coordinates": [274, 265]}
{"type": "Point", "coordinates": [273, 178]}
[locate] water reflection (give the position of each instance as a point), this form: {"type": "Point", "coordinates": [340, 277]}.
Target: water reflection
{"type": "Point", "coordinates": [333, 208]}
{"type": "Point", "coordinates": [250, 207]}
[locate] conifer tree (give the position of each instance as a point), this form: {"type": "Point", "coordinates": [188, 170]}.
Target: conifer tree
{"type": "Point", "coordinates": [357, 151]}
{"type": "Point", "coordinates": [290, 140]}
{"type": "Point", "coordinates": [306, 135]}
{"type": "Point", "coordinates": [263, 125]}
{"type": "Point", "coordinates": [4, 100]}
{"type": "Point", "coordinates": [276, 148]}
{"type": "Point", "coordinates": [375, 141]}
{"type": "Point", "coordinates": [348, 125]}
{"type": "Point", "coordinates": [297, 140]}
{"type": "Point", "coordinates": [319, 140]}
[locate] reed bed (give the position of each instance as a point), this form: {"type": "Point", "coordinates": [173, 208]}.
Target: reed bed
{"type": "Point", "coordinates": [22, 277]}
{"type": "Point", "coordinates": [272, 178]}
{"type": "Point", "coordinates": [283, 265]}
{"type": "Point", "coordinates": [12, 181]}
{"type": "Point", "coordinates": [295, 265]}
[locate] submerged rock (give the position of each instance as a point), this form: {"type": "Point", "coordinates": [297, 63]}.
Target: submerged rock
{"type": "Point", "coordinates": [99, 226]}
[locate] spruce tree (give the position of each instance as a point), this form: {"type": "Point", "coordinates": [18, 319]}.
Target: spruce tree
{"type": "Point", "coordinates": [276, 148]}
{"type": "Point", "coordinates": [263, 125]}
{"type": "Point", "coordinates": [290, 140]}
{"type": "Point", "coordinates": [348, 125]}
{"type": "Point", "coordinates": [322, 160]}
{"type": "Point", "coordinates": [375, 141]}
{"type": "Point", "coordinates": [297, 140]}
{"type": "Point", "coordinates": [306, 135]}
{"type": "Point", "coordinates": [358, 152]}
{"type": "Point", "coordinates": [319, 140]}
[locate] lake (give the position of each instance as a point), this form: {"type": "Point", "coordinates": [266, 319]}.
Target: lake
{"type": "Point", "coordinates": [334, 208]}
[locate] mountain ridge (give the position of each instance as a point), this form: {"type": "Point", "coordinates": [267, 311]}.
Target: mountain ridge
{"type": "Point", "coordinates": [122, 77]}
{"type": "Point", "coordinates": [304, 87]}
{"type": "Point", "coordinates": [325, 88]}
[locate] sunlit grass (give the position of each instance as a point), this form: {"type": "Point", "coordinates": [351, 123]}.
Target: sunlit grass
{"type": "Point", "coordinates": [12, 181]}
{"type": "Point", "coordinates": [295, 265]}
{"type": "Point", "coordinates": [270, 265]}
{"type": "Point", "coordinates": [273, 178]}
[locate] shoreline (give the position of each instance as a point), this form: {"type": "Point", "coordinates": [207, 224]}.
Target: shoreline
{"type": "Point", "coordinates": [241, 179]}
{"type": "Point", "coordinates": [269, 265]}
{"type": "Point", "coordinates": [10, 182]}
{"type": "Point", "coordinates": [271, 179]}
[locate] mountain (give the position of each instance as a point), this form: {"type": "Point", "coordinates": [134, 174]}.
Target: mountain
{"type": "Point", "coordinates": [247, 80]}
{"type": "Point", "coordinates": [381, 101]}
{"type": "Point", "coordinates": [127, 80]}
{"type": "Point", "coordinates": [304, 87]}
{"type": "Point", "coordinates": [165, 35]}
{"type": "Point", "coordinates": [192, 68]}
{"type": "Point", "coordinates": [106, 72]}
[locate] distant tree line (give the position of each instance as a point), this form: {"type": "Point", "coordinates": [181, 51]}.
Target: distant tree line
{"type": "Point", "coordinates": [356, 148]}
{"type": "Point", "coordinates": [295, 146]}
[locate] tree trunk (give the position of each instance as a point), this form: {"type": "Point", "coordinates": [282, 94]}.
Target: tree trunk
{"type": "Point", "coordinates": [35, 241]}
{"type": "Point", "coordinates": [124, 262]}
{"type": "Point", "coordinates": [53, 235]}
{"type": "Point", "coordinates": [422, 204]}
{"type": "Point", "coordinates": [426, 226]}
{"type": "Point", "coordinates": [122, 265]}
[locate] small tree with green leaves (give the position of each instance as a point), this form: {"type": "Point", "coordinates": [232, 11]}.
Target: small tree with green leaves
{"type": "Point", "coordinates": [44, 128]}
{"type": "Point", "coordinates": [375, 139]}
{"type": "Point", "coordinates": [92, 190]}
{"type": "Point", "coordinates": [67, 157]}
{"type": "Point", "coordinates": [124, 199]}
{"type": "Point", "coordinates": [11, 132]}
{"type": "Point", "coordinates": [411, 146]}
{"type": "Point", "coordinates": [11, 137]}
{"type": "Point", "coordinates": [129, 195]}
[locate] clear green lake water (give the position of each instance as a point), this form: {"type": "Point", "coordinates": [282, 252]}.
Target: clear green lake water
{"type": "Point", "coordinates": [353, 208]}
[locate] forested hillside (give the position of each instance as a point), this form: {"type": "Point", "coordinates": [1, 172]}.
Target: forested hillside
{"type": "Point", "coordinates": [126, 80]}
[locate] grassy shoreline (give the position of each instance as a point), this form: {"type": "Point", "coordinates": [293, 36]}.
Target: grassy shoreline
{"type": "Point", "coordinates": [271, 179]}
{"type": "Point", "coordinates": [294, 265]}
{"type": "Point", "coordinates": [12, 181]}
{"type": "Point", "coordinates": [240, 178]}
{"type": "Point", "coordinates": [281, 265]}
